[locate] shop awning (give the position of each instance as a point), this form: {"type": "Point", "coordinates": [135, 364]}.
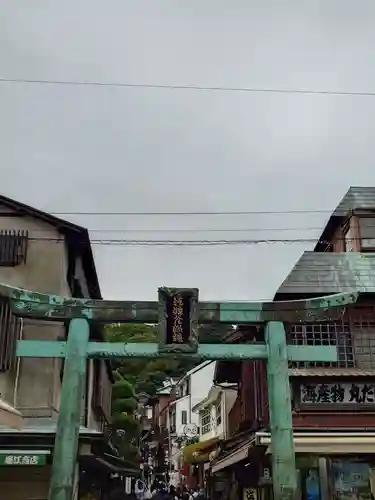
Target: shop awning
{"type": "Point", "coordinates": [199, 452]}
{"type": "Point", "coordinates": [326, 443]}
{"type": "Point", "coordinates": [9, 416]}
{"type": "Point", "coordinates": [110, 463]}
{"type": "Point", "coordinates": [240, 453]}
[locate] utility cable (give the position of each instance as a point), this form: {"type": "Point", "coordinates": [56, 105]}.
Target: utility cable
{"type": "Point", "coordinates": [203, 230]}
{"type": "Point", "coordinates": [194, 243]}
{"type": "Point", "coordinates": [185, 87]}
{"type": "Point", "coordinates": [243, 212]}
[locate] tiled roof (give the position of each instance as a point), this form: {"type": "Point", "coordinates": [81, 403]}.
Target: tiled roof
{"type": "Point", "coordinates": [326, 272]}
{"type": "Point", "coordinates": [356, 198]}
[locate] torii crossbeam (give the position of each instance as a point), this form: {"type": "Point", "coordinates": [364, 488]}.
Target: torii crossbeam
{"type": "Point", "coordinates": [178, 314]}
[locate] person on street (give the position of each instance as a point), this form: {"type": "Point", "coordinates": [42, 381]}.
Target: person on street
{"type": "Point", "coordinates": [172, 493]}
{"type": "Point", "coordinates": [162, 494]}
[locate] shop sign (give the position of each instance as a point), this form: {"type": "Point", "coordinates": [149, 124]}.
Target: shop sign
{"type": "Point", "coordinates": [348, 393]}
{"type": "Point", "coordinates": [178, 320]}
{"type": "Point", "coordinates": [22, 459]}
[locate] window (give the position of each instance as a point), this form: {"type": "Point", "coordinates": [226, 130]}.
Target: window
{"type": "Point", "coordinates": [206, 421]}
{"type": "Point", "coordinates": [10, 327]}
{"type": "Point", "coordinates": [184, 417]}
{"type": "Point", "coordinates": [334, 334]}
{"type": "Point", "coordinates": [350, 479]}
{"type": "Point", "coordinates": [185, 388]}
{"type": "Point", "coordinates": [363, 334]}
{"type": "Point", "coordinates": [172, 421]}
{"type": "Point", "coordinates": [13, 247]}
{"type": "Point", "coordinates": [218, 414]}
{"type": "Point", "coordinates": [367, 232]}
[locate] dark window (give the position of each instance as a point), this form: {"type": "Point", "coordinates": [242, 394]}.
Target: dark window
{"type": "Point", "coordinates": [367, 232]}
{"type": "Point", "coordinates": [172, 421]}
{"type": "Point", "coordinates": [363, 334]}
{"type": "Point", "coordinates": [13, 247]}
{"type": "Point", "coordinates": [10, 327]}
{"type": "Point", "coordinates": [184, 417]}
{"type": "Point", "coordinates": [77, 288]}
{"type": "Point", "coordinates": [187, 387]}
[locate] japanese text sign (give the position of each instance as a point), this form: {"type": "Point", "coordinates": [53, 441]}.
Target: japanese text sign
{"type": "Point", "coordinates": [178, 317]}
{"type": "Point", "coordinates": [20, 459]}
{"type": "Point", "coordinates": [342, 393]}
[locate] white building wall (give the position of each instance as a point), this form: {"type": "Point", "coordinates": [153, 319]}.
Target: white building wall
{"type": "Point", "coordinates": [183, 404]}
{"type": "Point", "coordinates": [201, 382]}
{"type": "Point", "coordinates": [227, 397]}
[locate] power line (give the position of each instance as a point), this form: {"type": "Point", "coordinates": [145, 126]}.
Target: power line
{"type": "Point", "coordinates": [254, 212]}
{"type": "Point", "coordinates": [201, 230]}
{"type": "Point", "coordinates": [134, 242]}
{"type": "Point", "coordinates": [204, 230]}
{"type": "Point", "coordinates": [184, 87]}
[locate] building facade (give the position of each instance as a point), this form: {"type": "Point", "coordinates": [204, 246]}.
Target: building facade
{"type": "Point", "coordinates": [183, 421]}
{"type": "Point", "coordinates": [213, 412]}
{"type": "Point", "coordinates": [176, 424]}
{"type": "Point", "coordinates": [213, 427]}
{"type": "Point", "coordinates": [333, 403]}
{"type": "Point", "coordinates": [42, 253]}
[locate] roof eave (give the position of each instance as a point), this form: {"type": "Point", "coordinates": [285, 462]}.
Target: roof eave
{"type": "Point", "coordinates": [77, 234]}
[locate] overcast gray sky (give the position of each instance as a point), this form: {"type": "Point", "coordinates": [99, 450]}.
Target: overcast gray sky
{"type": "Point", "coordinates": [71, 148]}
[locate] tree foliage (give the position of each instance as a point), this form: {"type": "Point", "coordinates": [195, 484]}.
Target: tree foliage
{"type": "Point", "coordinates": [127, 430]}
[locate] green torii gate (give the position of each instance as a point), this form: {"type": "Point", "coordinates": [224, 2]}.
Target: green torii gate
{"type": "Point", "coordinates": [178, 314]}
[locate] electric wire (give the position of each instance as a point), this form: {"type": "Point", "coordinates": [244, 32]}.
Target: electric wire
{"type": "Point", "coordinates": [198, 88]}
{"type": "Point", "coordinates": [202, 230]}
{"type": "Point", "coordinates": [182, 213]}
{"type": "Point", "coordinates": [196, 242]}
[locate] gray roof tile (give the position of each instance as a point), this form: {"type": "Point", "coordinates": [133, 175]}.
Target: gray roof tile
{"type": "Point", "coordinates": [355, 199]}
{"type": "Point", "coordinates": [324, 273]}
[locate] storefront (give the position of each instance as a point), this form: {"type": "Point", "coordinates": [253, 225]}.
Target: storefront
{"type": "Point", "coordinates": [196, 457]}
{"type": "Point", "coordinates": [238, 470]}
{"type": "Point", "coordinates": [333, 465]}
{"type": "Point", "coordinates": [25, 474]}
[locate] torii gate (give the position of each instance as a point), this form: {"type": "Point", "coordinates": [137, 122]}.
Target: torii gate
{"type": "Point", "coordinates": [178, 314]}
